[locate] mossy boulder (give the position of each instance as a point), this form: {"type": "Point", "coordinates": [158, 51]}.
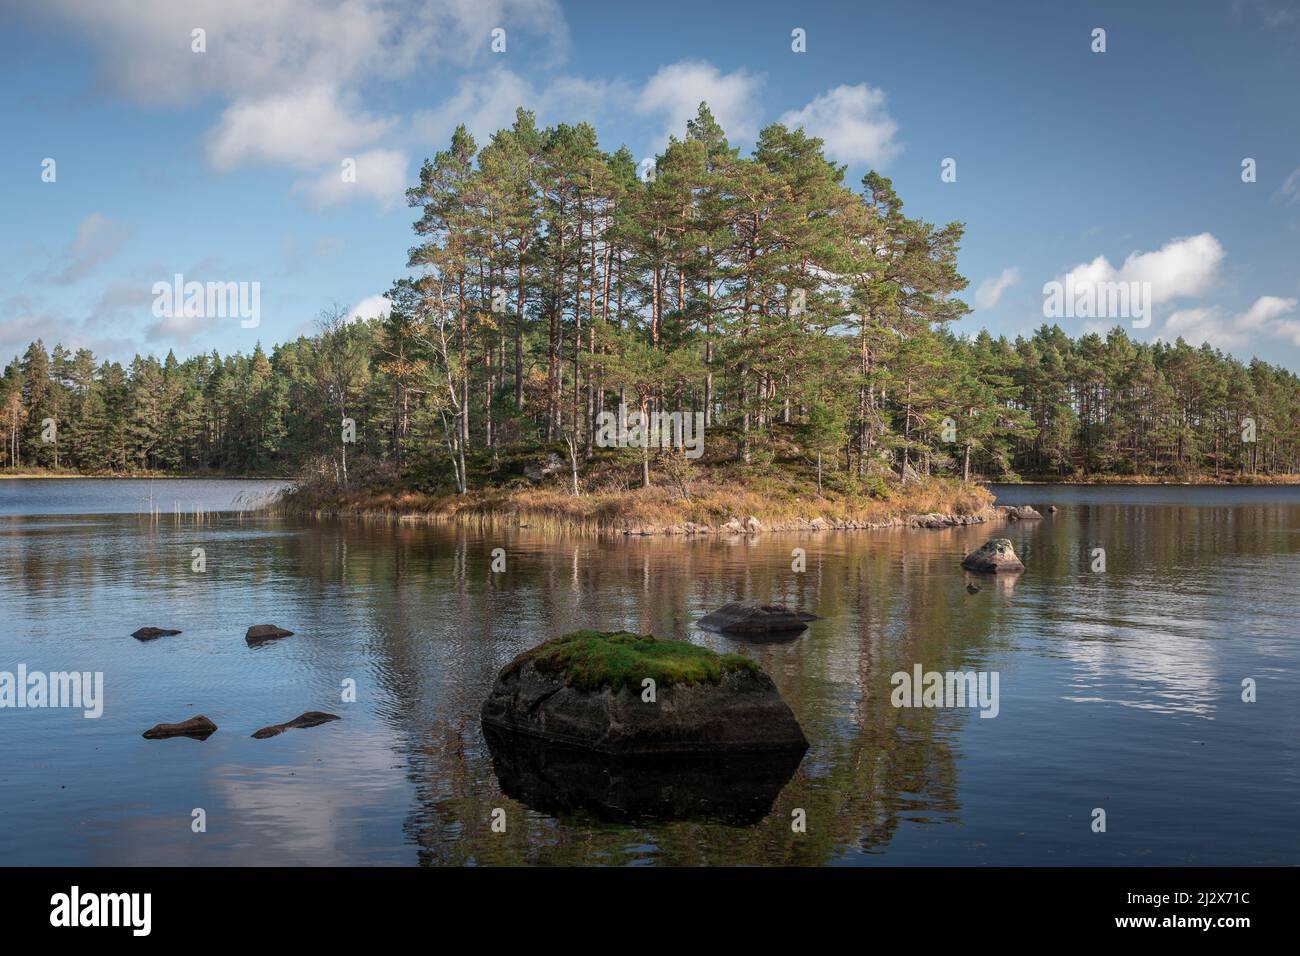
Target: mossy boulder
{"type": "Point", "coordinates": [589, 689]}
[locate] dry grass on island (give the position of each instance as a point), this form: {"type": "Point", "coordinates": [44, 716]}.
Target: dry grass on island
{"type": "Point", "coordinates": [701, 503]}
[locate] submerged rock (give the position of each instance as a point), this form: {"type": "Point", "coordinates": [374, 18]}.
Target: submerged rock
{"type": "Point", "coordinates": [261, 633]}
{"type": "Point", "coordinates": [588, 689]}
{"type": "Point", "coordinates": [756, 619]}
{"type": "Point", "coordinates": [150, 633]}
{"type": "Point", "coordinates": [562, 781]}
{"type": "Point", "coordinates": [200, 728]}
{"type": "Point", "coordinates": [993, 556]}
{"type": "Point", "coordinates": [312, 718]}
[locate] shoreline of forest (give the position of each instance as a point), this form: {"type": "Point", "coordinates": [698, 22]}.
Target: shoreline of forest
{"type": "Point", "coordinates": [1136, 481]}
{"type": "Point", "coordinates": [143, 476]}
{"type": "Point", "coordinates": [1148, 481]}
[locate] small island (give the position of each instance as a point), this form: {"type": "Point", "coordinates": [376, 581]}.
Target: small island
{"type": "Point", "coordinates": [719, 339]}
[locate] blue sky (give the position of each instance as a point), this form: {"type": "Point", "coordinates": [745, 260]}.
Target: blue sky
{"type": "Point", "coordinates": [225, 165]}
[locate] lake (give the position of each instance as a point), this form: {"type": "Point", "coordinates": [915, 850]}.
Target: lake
{"type": "Point", "coordinates": [1119, 689]}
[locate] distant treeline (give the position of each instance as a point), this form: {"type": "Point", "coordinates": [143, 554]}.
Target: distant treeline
{"type": "Point", "coordinates": [809, 323]}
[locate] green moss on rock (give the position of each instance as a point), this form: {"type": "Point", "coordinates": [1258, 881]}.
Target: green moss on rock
{"type": "Point", "coordinates": [594, 659]}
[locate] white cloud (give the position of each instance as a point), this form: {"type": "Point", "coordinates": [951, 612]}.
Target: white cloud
{"type": "Point", "coordinates": [1264, 310]}
{"type": "Point", "coordinates": [260, 47]}
{"type": "Point", "coordinates": [177, 327]}
{"type": "Point", "coordinates": [1289, 191]}
{"type": "Point", "coordinates": [97, 240]}
{"type": "Point", "coordinates": [1213, 325]}
{"type": "Point", "coordinates": [853, 123]}
{"type": "Point", "coordinates": [24, 319]}
{"type": "Point", "coordinates": [22, 322]}
{"type": "Point", "coordinates": [1100, 327]}
{"type": "Point", "coordinates": [380, 175]}
{"type": "Point", "coordinates": [486, 102]}
{"type": "Point", "coordinates": [1202, 325]}
{"type": "Point", "coordinates": [990, 290]}
{"type": "Point", "coordinates": [373, 306]}
{"type": "Point", "coordinates": [676, 91]}
{"type": "Point", "coordinates": [291, 72]}
{"type": "Point", "coordinates": [300, 128]}
{"type": "Point", "coordinates": [1180, 268]}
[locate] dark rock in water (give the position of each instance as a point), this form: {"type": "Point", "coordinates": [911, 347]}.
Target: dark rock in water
{"type": "Point", "coordinates": [973, 589]}
{"type": "Point", "coordinates": [563, 781]}
{"type": "Point", "coordinates": [756, 619]}
{"type": "Point", "coordinates": [1052, 509]}
{"type": "Point", "coordinates": [313, 718]}
{"type": "Point", "coordinates": [586, 690]}
{"type": "Point", "coordinates": [200, 728]}
{"type": "Point", "coordinates": [150, 633]}
{"type": "Point", "coordinates": [994, 556]}
{"type": "Point", "coordinates": [261, 633]}
{"type": "Point", "coordinates": [1021, 513]}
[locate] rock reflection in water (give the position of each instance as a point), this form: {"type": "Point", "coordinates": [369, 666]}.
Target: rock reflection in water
{"type": "Point", "coordinates": [564, 781]}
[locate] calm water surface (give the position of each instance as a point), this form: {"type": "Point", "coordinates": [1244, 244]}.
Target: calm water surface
{"type": "Point", "coordinates": [1119, 690]}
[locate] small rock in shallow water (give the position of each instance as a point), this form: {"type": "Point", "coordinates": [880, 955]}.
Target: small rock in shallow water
{"type": "Point", "coordinates": [973, 589]}
{"type": "Point", "coordinates": [200, 728]}
{"type": "Point", "coordinates": [741, 618]}
{"type": "Point", "coordinates": [149, 633]}
{"type": "Point", "coordinates": [993, 556]}
{"type": "Point", "coordinates": [312, 718]}
{"type": "Point", "coordinates": [1021, 513]}
{"type": "Point", "coordinates": [260, 633]}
